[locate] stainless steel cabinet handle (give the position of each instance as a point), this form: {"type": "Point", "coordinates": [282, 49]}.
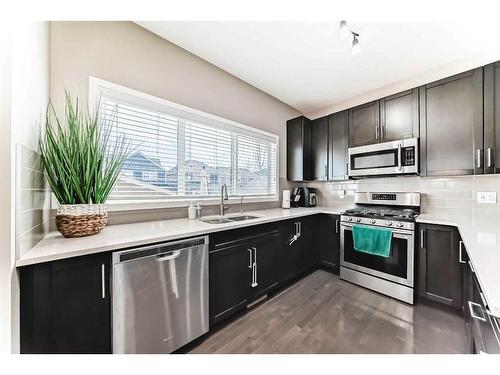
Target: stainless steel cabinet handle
{"type": "Point", "coordinates": [347, 169]}
{"type": "Point", "coordinates": [472, 267]}
{"type": "Point", "coordinates": [422, 237]}
{"type": "Point", "coordinates": [478, 158]}
{"type": "Point", "coordinates": [488, 157]}
{"type": "Point", "coordinates": [250, 260]}
{"type": "Point", "coordinates": [337, 226]}
{"type": "Point", "coordinates": [399, 157]}
{"type": "Point", "coordinates": [460, 249]}
{"type": "Point", "coordinates": [326, 172]}
{"type": "Point", "coordinates": [300, 228]}
{"type": "Point", "coordinates": [471, 310]}
{"type": "Point", "coordinates": [254, 275]}
{"type": "Point", "coordinates": [376, 133]}
{"type": "Point", "coordinates": [103, 281]}
{"type": "Point", "coordinates": [382, 131]}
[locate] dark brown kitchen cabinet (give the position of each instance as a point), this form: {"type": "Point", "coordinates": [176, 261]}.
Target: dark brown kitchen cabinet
{"type": "Point", "coordinates": [243, 267]}
{"type": "Point", "coordinates": [451, 125]}
{"type": "Point", "coordinates": [364, 124]}
{"type": "Point", "coordinates": [491, 160]}
{"type": "Point", "coordinates": [299, 252]}
{"type": "Point", "coordinates": [329, 242]}
{"type": "Point", "coordinates": [439, 268]}
{"type": "Point", "coordinates": [319, 149]}
{"type": "Point", "coordinates": [65, 306]}
{"type": "Point", "coordinates": [298, 145]}
{"type": "Point", "coordinates": [338, 144]}
{"type": "Point", "coordinates": [399, 116]}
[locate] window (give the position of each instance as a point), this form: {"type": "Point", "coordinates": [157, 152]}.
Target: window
{"type": "Point", "coordinates": [183, 154]}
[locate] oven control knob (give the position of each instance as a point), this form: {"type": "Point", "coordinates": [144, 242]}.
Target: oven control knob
{"type": "Point", "coordinates": [358, 220]}
{"type": "Point", "coordinates": [349, 218]}
{"type": "Point", "coordinates": [401, 225]}
{"type": "Point", "coordinates": [388, 223]}
{"type": "Point", "coordinates": [373, 221]}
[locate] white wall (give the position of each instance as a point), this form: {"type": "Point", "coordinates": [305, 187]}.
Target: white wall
{"type": "Point", "coordinates": [24, 89]}
{"type": "Point", "coordinates": [5, 190]}
{"type": "Point", "coordinates": [126, 54]}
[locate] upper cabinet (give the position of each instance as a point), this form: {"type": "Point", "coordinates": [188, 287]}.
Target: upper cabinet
{"type": "Point", "coordinates": [491, 160]}
{"type": "Point", "coordinates": [364, 124]}
{"type": "Point", "coordinates": [338, 143]}
{"type": "Point", "coordinates": [451, 125]}
{"type": "Point", "coordinates": [392, 118]}
{"type": "Point", "coordinates": [399, 116]}
{"type": "Point", "coordinates": [298, 144]}
{"type": "Point", "coordinates": [319, 149]}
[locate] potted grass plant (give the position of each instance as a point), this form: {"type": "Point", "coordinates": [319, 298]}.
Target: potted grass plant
{"type": "Point", "coordinates": [82, 162]}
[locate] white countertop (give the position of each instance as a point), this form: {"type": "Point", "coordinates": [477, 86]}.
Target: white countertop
{"type": "Point", "coordinates": [113, 237]}
{"type": "Point", "coordinates": [481, 237]}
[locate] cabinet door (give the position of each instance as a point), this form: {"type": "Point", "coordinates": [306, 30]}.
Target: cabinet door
{"type": "Point", "coordinates": [229, 280]}
{"type": "Point", "coordinates": [364, 121]}
{"type": "Point", "coordinates": [66, 306]}
{"type": "Point", "coordinates": [439, 266]}
{"type": "Point", "coordinates": [338, 144]}
{"type": "Point", "coordinates": [290, 251]}
{"type": "Point", "coordinates": [399, 116]}
{"type": "Point", "coordinates": [266, 259]}
{"type": "Point", "coordinates": [298, 143]}
{"type": "Point", "coordinates": [329, 242]}
{"type": "Point", "coordinates": [451, 120]}
{"type": "Point", "coordinates": [308, 248]}
{"type": "Point", "coordinates": [492, 118]}
{"type": "Point", "coordinates": [319, 149]}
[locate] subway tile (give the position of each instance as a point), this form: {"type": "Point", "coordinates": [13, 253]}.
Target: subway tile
{"type": "Point", "coordinates": [459, 203]}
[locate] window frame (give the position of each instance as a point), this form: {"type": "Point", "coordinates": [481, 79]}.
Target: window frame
{"type": "Point", "coordinates": [98, 87]}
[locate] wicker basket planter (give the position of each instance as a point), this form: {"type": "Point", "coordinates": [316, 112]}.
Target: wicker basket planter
{"type": "Point", "coordinates": [80, 220]}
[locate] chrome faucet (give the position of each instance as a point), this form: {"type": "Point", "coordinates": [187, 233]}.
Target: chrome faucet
{"type": "Point", "coordinates": [223, 197]}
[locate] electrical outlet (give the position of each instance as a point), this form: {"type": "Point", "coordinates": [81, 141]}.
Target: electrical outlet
{"type": "Point", "coordinates": [486, 197]}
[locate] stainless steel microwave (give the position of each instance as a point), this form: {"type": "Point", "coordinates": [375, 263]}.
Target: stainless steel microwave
{"type": "Point", "coordinates": [384, 159]}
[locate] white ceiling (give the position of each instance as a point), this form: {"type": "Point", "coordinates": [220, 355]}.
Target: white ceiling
{"type": "Point", "coordinates": [307, 66]}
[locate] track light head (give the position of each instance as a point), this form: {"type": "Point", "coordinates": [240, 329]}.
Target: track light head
{"type": "Point", "coordinates": [356, 49]}
{"type": "Point", "coordinates": [344, 30]}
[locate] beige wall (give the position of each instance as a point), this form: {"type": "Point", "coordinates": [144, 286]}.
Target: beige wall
{"type": "Point", "coordinates": [126, 54]}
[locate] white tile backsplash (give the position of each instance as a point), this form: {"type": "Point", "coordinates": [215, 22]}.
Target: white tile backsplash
{"type": "Point", "coordinates": [32, 200]}
{"type": "Point", "coordinates": [450, 194]}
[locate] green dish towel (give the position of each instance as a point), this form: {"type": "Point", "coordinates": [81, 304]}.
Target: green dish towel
{"type": "Point", "coordinates": [370, 240]}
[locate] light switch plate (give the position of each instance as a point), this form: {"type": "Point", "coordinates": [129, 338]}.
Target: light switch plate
{"type": "Point", "coordinates": [486, 197]}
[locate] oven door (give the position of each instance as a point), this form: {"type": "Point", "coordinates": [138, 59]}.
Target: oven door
{"type": "Point", "coordinates": [388, 158]}
{"type": "Point", "coordinates": [398, 267]}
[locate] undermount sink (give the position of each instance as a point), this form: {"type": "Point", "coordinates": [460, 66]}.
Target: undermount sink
{"type": "Point", "coordinates": [242, 218]}
{"type": "Point", "coordinates": [225, 220]}
{"type": "Point", "coordinates": [216, 221]}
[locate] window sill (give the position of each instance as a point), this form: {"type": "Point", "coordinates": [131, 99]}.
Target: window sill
{"type": "Point", "coordinates": [117, 206]}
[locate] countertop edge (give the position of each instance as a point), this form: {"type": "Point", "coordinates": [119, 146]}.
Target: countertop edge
{"type": "Point", "coordinates": [27, 260]}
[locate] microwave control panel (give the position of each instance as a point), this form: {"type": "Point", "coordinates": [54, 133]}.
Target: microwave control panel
{"type": "Point", "coordinates": [408, 156]}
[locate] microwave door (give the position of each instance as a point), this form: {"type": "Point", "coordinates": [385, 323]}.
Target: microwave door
{"type": "Point", "coordinates": [380, 162]}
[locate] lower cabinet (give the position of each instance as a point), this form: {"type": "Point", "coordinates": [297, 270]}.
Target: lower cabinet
{"type": "Point", "coordinates": [439, 271]}
{"type": "Point", "coordinates": [329, 242]}
{"type": "Point", "coordinates": [242, 269]}
{"type": "Point", "coordinates": [66, 306]}
{"type": "Point", "coordinates": [299, 250]}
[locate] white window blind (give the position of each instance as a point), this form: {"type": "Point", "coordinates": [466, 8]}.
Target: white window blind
{"type": "Point", "coordinates": [178, 154]}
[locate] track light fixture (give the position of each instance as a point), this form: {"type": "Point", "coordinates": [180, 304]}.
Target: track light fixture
{"type": "Point", "coordinates": [344, 31]}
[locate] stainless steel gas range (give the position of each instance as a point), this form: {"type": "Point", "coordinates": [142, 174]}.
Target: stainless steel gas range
{"type": "Point", "coordinates": [392, 275]}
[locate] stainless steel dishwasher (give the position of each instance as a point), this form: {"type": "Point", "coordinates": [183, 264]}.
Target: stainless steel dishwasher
{"type": "Point", "coordinates": [160, 296]}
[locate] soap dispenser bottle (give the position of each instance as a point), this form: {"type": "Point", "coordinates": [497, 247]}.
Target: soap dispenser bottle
{"type": "Point", "coordinates": [192, 212]}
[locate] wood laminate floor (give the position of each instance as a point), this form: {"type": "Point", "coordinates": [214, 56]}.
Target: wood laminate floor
{"type": "Point", "coordinates": [323, 314]}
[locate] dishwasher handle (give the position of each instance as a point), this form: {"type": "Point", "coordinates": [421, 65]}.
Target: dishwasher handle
{"type": "Point", "coordinates": [171, 255]}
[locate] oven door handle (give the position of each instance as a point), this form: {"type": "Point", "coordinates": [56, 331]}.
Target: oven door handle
{"type": "Point", "coordinates": [398, 233]}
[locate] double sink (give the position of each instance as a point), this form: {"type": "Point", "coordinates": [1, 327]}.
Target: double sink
{"type": "Point", "coordinates": [224, 220]}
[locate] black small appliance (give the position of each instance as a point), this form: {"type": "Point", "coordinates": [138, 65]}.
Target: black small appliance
{"type": "Point", "coordinates": [303, 197]}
